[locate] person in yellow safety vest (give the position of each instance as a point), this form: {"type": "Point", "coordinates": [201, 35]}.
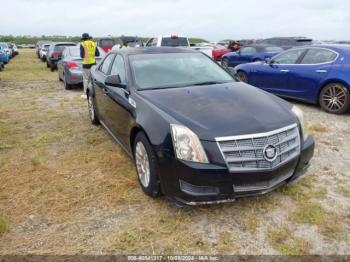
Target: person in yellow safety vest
{"type": "Point", "coordinates": [88, 52]}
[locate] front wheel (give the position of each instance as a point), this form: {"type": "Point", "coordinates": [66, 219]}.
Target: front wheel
{"type": "Point", "coordinates": [334, 98]}
{"type": "Point", "coordinates": [146, 165]}
{"type": "Point", "coordinates": [242, 76]}
{"type": "Point", "coordinates": [225, 62]}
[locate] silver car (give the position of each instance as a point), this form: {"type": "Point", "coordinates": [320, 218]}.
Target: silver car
{"type": "Point", "coordinates": [70, 67]}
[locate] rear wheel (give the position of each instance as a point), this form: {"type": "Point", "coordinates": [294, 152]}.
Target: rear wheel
{"type": "Point", "coordinates": [146, 165]}
{"type": "Point", "coordinates": [92, 110]}
{"type": "Point", "coordinates": [47, 64]}
{"type": "Point", "coordinates": [334, 98]}
{"type": "Point", "coordinates": [66, 85]}
{"type": "Point", "coordinates": [242, 76]}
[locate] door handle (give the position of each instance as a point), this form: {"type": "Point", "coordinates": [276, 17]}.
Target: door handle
{"type": "Point", "coordinates": [284, 70]}
{"type": "Point", "coordinates": [321, 71]}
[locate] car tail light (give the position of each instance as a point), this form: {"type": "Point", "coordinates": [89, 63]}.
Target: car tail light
{"type": "Point", "coordinates": [72, 65]}
{"type": "Point", "coordinates": [57, 54]}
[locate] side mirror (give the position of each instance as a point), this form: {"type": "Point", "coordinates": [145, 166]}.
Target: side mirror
{"type": "Point", "coordinates": [238, 52]}
{"type": "Point", "coordinates": [114, 80]}
{"type": "Point", "coordinates": [268, 61]}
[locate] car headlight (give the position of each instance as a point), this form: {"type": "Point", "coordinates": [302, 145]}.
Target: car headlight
{"type": "Point", "coordinates": [300, 115]}
{"type": "Point", "coordinates": [187, 145]}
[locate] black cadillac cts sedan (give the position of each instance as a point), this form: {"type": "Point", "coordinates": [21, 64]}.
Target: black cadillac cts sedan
{"type": "Point", "coordinates": [196, 135]}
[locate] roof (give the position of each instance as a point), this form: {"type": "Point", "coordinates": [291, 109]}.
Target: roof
{"type": "Point", "coordinates": [154, 50]}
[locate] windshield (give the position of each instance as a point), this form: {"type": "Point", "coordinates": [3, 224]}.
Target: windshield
{"type": "Point", "coordinates": [157, 71]}
{"type": "Point", "coordinates": [107, 42]}
{"type": "Point", "coordinates": [174, 41]}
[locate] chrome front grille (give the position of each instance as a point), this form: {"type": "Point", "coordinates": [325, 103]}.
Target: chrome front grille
{"type": "Point", "coordinates": [246, 153]}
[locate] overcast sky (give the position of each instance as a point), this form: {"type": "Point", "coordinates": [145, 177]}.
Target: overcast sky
{"type": "Point", "coordinates": [209, 19]}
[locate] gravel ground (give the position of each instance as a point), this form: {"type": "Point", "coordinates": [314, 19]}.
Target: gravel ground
{"type": "Point", "coordinates": [67, 188]}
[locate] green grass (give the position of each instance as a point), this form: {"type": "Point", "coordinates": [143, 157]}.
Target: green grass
{"type": "Point", "coordinates": [4, 225]}
{"type": "Point", "coordinates": [309, 213]}
{"type": "Point", "coordinates": [284, 241]}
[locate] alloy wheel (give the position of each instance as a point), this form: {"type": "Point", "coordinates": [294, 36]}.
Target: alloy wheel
{"type": "Point", "coordinates": [91, 108]}
{"type": "Point", "coordinates": [142, 164]}
{"type": "Point", "coordinates": [242, 77]}
{"type": "Point", "coordinates": [334, 98]}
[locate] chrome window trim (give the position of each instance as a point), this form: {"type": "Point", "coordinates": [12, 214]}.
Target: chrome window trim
{"type": "Point", "coordinates": [304, 48]}
{"type": "Point", "coordinates": [255, 135]}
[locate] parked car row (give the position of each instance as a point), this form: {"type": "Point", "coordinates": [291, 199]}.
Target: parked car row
{"type": "Point", "coordinates": [317, 74]}
{"type": "Point", "coordinates": [7, 52]}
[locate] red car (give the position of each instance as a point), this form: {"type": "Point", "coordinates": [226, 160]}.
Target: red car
{"type": "Point", "coordinates": [106, 44]}
{"type": "Point", "coordinates": [219, 51]}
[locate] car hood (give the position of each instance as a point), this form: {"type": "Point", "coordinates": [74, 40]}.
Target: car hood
{"type": "Point", "coordinates": [223, 110]}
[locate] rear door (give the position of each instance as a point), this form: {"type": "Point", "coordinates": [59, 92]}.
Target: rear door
{"type": "Point", "coordinates": [274, 77]}
{"type": "Point", "coordinates": [305, 77]}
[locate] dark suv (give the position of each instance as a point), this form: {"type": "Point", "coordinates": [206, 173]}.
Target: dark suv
{"type": "Point", "coordinates": [287, 42]}
{"type": "Point", "coordinates": [55, 52]}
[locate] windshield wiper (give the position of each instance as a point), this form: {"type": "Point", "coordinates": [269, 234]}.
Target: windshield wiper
{"type": "Point", "coordinates": [208, 83]}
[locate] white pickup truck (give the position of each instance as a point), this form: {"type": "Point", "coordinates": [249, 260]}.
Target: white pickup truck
{"type": "Point", "coordinates": [177, 41]}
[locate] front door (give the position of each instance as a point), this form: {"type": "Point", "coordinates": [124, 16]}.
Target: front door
{"type": "Point", "coordinates": [274, 77]}
{"type": "Point", "coordinates": [118, 108]}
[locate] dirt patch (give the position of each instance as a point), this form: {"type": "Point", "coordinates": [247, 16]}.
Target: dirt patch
{"type": "Point", "coordinates": [67, 188]}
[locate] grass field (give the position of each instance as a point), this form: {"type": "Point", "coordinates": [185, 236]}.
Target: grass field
{"type": "Point", "coordinates": [67, 188]}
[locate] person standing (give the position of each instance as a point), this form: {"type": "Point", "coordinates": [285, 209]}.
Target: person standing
{"type": "Point", "coordinates": [88, 52]}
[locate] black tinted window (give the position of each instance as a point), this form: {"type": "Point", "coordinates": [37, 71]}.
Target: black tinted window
{"type": "Point", "coordinates": [318, 56]}
{"type": "Point", "coordinates": [174, 41]}
{"type": "Point", "coordinates": [106, 63]}
{"type": "Point", "coordinates": [60, 48]}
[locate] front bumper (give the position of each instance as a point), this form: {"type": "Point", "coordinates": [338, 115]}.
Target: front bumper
{"type": "Point", "coordinates": [196, 183]}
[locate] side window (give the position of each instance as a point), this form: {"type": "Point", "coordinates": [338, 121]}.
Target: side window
{"type": "Point", "coordinates": [106, 63]}
{"type": "Point", "coordinates": [118, 68]}
{"type": "Point", "coordinates": [289, 57]}
{"type": "Point", "coordinates": [318, 56]}
{"type": "Point", "coordinates": [248, 50]}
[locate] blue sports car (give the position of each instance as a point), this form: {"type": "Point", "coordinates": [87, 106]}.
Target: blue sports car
{"type": "Point", "coordinates": [250, 53]}
{"type": "Point", "coordinates": [318, 74]}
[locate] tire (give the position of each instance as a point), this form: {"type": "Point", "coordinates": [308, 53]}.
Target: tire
{"type": "Point", "coordinates": [334, 98]}
{"type": "Point", "coordinates": [224, 62]}
{"type": "Point", "coordinates": [47, 64]}
{"type": "Point", "coordinates": [66, 85]}
{"type": "Point", "coordinates": [145, 159]}
{"type": "Point", "coordinates": [92, 110]}
{"type": "Point", "coordinates": [52, 68]}
{"type": "Point", "coordinates": [242, 76]}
